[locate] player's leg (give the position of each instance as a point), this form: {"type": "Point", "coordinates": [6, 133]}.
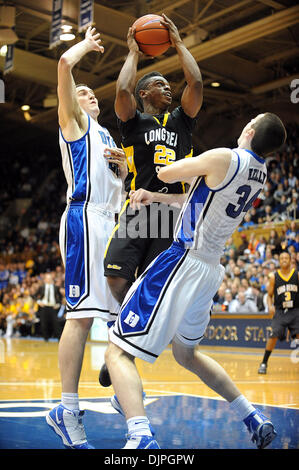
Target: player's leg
{"type": "Point", "coordinates": [206, 368]}
{"type": "Point", "coordinates": [80, 250]}
{"type": "Point", "coordinates": [119, 287]}
{"type": "Point", "coordinates": [213, 375]}
{"type": "Point", "coordinates": [66, 418]}
{"type": "Point", "coordinates": [270, 345]}
{"type": "Point", "coordinates": [279, 329]}
{"type": "Point", "coordinates": [71, 352]}
{"type": "Point", "coordinates": [128, 389]}
{"type": "Point", "coordinates": [122, 257]}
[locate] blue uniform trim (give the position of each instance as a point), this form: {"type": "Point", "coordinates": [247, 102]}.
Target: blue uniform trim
{"type": "Point", "coordinates": [134, 345]}
{"type": "Point", "coordinates": [78, 152]}
{"type": "Point", "coordinates": [75, 256]}
{"type": "Point", "coordinates": [192, 213]}
{"type": "Point", "coordinates": [259, 159]}
{"type": "Point", "coordinates": [77, 239]}
{"type": "Point", "coordinates": [83, 137]}
{"type": "Point", "coordinates": [138, 313]}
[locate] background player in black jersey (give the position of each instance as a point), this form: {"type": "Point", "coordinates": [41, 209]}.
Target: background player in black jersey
{"type": "Point", "coordinates": [283, 304]}
{"type": "Point", "coordinates": [151, 138]}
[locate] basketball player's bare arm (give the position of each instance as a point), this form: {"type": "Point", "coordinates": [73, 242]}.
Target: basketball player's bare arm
{"type": "Point", "coordinates": [70, 114]}
{"type": "Point", "coordinates": [143, 197]}
{"type": "Point", "coordinates": [213, 165]}
{"type": "Point", "coordinates": [193, 93]}
{"type": "Point", "coordinates": [125, 104]}
{"type": "Point", "coordinates": [270, 296]}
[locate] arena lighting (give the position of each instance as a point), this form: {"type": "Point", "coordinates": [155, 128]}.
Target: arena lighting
{"type": "Point", "coordinates": [27, 116]}
{"type": "Point", "coordinates": [215, 84]}
{"type": "Point", "coordinates": [66, 34]}
{"type": "Point", "coordinates": [3, 50]}
{"type": "Point", "coordinates": [25, 107]}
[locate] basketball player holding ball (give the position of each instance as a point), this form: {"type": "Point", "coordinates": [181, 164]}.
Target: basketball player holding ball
{"type": "Point", "coordinates": [152, 137]}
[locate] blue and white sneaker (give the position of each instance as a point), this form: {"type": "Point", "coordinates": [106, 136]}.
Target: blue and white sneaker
{"type": "Point", "coordinates": [261, 428]}
{"type": "Point", "coordinates": [141, 442]}
{"type": "Point", "coordinates": [116, 405]}
{"type": "Point", "coordinates": [69, 426]}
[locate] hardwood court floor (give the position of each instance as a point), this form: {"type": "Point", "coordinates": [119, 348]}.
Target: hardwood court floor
{"type": "Point", "coordinates": [29, 376]}
{"type": "Point", "coordinates": [29, 370]}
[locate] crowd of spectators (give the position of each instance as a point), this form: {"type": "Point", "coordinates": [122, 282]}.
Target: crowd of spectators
{"type": "Point", "coordinates": [29, 248]}
{"type": "Point", "coordinates": [19, 303]}
{"type": "Point", "coordinates": [279, 201]}
{"type": "Point", "coordinates": [247, 268]}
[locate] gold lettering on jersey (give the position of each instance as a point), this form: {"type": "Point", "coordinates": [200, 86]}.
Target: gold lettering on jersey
{"type": "Point", "coordinates": [161, 134]}
{"type": "Point", "coordinates": [287, 288]}
{"type": "Point", "coordinates": [113, 266]}
{"type": "Point", "coordinates": [257, 175]}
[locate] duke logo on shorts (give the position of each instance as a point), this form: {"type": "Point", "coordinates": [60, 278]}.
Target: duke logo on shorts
{"type": "Point", "coordinates": [74, 291]}
{"type": "Point", "coordinates": [132, 319]}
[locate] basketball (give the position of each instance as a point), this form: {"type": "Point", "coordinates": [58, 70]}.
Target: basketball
{"type": "Point", "coordinates": [151, 35]}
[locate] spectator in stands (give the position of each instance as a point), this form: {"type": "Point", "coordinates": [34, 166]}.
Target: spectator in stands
{"type": "Point", "coordinates": [49, 297]}
{"type": "Point", "coordinates": [278, 194]}
{"type": "Point", "coordinates": [228, 299]}
{"type": "Point", "coordinates": [243, 245]}
{"type": "Point", "coordinates": [247, 222]}
{"type": "Point", "coordinates": [254, 215]}
{"type": "Point", "coordinates": [243, 305]}
{"type": "Point", "coordinates": [269, 259]}
{"type": "Point", "coordinates": [273, 242]}
{"type": "Point", "coordinates": [293, 208]}
{"type": "Point", "coordinates": [287, 190]}
{"type": "Point", "coordinates": [292, 179]}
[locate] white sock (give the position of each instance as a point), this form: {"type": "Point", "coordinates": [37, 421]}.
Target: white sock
{"type": "Point", "coordinates": [70, 400]}
{"type": "Point", "coordinates": [139, 426]}
{"type": "Point", "coordinates": [242, 406]}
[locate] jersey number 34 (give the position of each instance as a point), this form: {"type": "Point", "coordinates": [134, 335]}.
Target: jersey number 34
{"type": "Point", "coordinates": [243, 204]}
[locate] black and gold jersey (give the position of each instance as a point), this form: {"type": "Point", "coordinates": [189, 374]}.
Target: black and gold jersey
{"type": "Point", "coordinates": [151, 142]}
{"type": "Point", "coordinates": [286, 290]}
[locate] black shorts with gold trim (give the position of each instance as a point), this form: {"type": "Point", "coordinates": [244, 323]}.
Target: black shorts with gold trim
{"type": "Point", "coordinates": [138, 238]}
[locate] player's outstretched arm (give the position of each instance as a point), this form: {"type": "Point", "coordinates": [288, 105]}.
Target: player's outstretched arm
{"type": "Point", "coordinates": [192, 96]}
{"type": "Point", "coordinates": [212, 164]}
{"type": "Point", "coordinates": [68, 108]}
{"type": "Point", "coordinates": [143, 197]}
{"type": "Point", "coordinates": [125, 104]}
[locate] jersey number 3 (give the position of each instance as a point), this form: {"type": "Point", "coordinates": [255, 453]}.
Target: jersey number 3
{"type": "Point", "coordinates": [243, 204]}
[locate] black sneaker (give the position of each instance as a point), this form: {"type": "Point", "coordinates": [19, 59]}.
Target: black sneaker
{"type": "Point", "coordinates": [104, 377]}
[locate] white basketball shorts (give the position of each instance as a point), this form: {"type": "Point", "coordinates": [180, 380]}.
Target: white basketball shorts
{"type": "Point", "coordinates": [84, 233]}
{"type": "Point", "coordinates": [171, 299]}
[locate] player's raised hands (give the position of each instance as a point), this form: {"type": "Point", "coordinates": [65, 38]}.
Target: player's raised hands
{"type": "Point", "coordinates": [174, 34]}
{"type": "Point", "coordinates": [93, 39]}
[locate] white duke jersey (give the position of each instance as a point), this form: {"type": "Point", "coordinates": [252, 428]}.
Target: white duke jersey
{"type": "Point", "coordinates": [89, 178]}
{"type": "Point", "coordinates": [210, 216]}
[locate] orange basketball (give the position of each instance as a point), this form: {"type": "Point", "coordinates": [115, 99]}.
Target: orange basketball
{"type": "Point", "coordinates": [151, 35]}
